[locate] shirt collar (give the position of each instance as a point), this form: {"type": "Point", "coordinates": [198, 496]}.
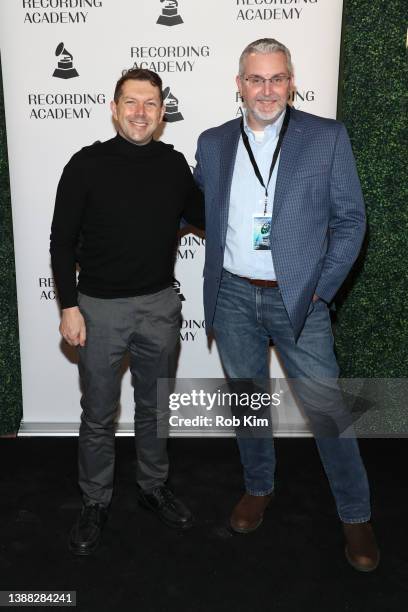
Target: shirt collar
{"type": "Point", "coordinates": [271, 131]}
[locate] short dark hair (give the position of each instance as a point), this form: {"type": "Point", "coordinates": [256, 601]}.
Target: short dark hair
{"type": "Point", "coordinates": [138, 74]}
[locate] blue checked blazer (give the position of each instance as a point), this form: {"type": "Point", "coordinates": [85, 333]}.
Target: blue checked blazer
{"type": "Point", "coordinates": [318, 220]}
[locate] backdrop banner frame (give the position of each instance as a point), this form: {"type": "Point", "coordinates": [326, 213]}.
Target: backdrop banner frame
{"type": "Point", "coordinates": [60, 62]}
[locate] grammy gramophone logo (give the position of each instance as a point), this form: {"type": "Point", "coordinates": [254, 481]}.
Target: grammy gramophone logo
{"type": "Point", "coordinates": [172, 113]}
{"type": "Point", "coordinates": [177, 289]}
{"type": "Point", "coordinates": [65, 68]}
{"type": "Point", "coordinates": [169, 15]}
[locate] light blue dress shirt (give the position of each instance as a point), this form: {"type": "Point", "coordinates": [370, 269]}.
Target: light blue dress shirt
{"type": "Point", "coordinates": [248, 197]}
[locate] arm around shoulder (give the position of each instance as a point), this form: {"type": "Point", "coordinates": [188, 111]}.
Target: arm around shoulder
{"type": "Point", "coordinates": [194, 209]}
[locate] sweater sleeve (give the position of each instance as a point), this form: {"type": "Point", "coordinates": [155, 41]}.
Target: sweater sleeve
{"type": "Point", "coordinates": [194, 211]}
{"type": "Point", "coordinates": [65, 229]}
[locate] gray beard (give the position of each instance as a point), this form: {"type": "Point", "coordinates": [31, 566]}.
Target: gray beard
{"type": "Point", "coordinates": [266, 118]}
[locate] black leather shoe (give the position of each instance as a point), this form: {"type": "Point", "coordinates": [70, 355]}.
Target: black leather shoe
{"type": "Point", "coordinates": [86, 533]}
{"type": "Point", "coordinates": [168, 508]}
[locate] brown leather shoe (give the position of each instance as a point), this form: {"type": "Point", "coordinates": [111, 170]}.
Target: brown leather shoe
{"type": "Point", "coordinates": [248, 513]}
{"type": "Point", "coordinates": [361, 547]}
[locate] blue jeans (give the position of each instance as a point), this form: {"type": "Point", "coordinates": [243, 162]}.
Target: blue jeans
{"type": "Point", "coordinates": [246, 318]}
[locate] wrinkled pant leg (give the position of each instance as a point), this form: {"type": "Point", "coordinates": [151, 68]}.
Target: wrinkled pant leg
{"type": "Point", "coordinates": [311, 365]}
{"type": "Point", "coordinates": [154, 349]}
{"type": "Point", "coordinates": [100, 373]}
{"type": "Point", "coordinates": [243, 345]}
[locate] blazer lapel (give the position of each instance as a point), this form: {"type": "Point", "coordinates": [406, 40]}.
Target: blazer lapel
{"type": "Point", "coordinates": [291, 147]}
{"type": "Point", "coordinates": [229, 147]}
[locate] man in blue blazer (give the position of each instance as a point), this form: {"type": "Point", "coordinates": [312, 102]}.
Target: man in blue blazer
{"type": "Point", "coordinates": [284, 223]}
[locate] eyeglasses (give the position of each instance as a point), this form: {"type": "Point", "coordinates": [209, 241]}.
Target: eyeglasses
{"type": "Point", "coordinates": [258, 81]}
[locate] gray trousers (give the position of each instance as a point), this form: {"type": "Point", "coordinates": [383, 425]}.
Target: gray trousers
{"type": "Point", "coordinates": [148, 328]}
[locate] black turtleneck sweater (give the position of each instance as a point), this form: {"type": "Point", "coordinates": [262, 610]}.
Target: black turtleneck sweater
{"type": "Point", "coordinates": [117, 212]}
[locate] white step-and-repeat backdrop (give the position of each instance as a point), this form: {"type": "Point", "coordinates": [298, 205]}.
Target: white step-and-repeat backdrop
{"type": "Point", "coordinates": [60, 62]}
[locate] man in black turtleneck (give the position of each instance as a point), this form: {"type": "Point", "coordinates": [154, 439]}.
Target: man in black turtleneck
{"type": "Point", "coordinates": [117, 212]}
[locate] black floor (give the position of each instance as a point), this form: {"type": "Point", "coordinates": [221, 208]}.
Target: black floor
{"type": "Point", "coordinates": [294, 562]}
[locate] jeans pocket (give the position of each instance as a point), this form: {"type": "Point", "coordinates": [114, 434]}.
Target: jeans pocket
{"type": "Point", "coordinates": [311, 308]}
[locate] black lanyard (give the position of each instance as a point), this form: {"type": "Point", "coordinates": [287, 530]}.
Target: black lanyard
{"type": "Point", "coordinates": [275, 155]}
